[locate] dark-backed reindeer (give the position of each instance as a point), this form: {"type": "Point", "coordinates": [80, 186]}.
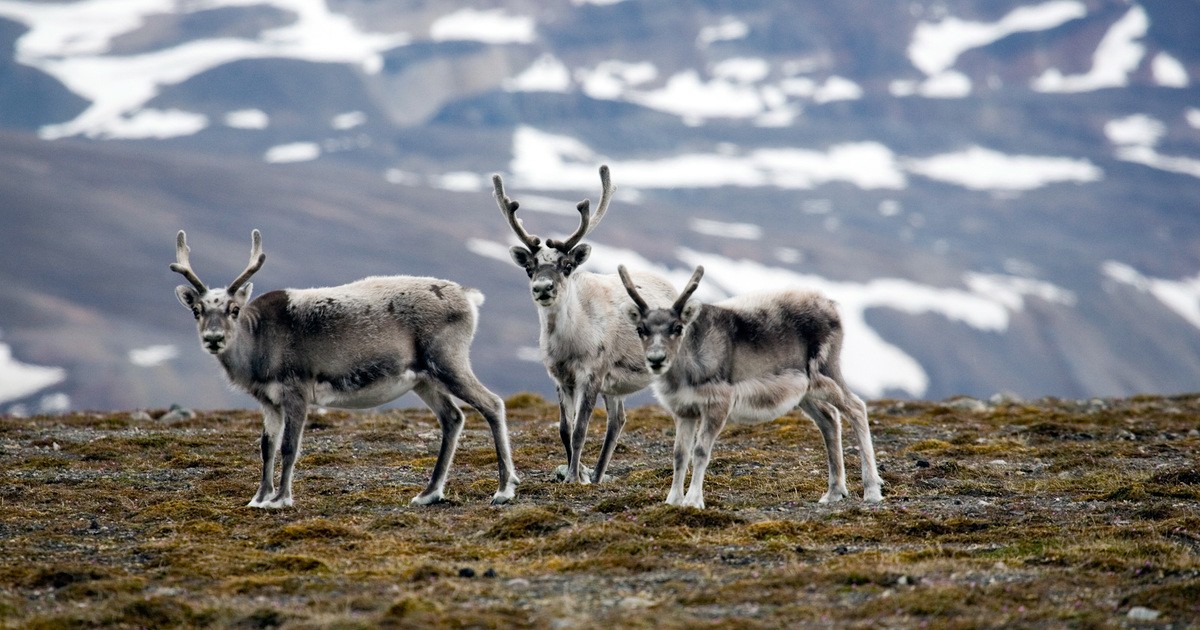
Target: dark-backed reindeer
{"type": "Point", "coordinates": [749, 359]}
{"type": "Point", "coordinates": [588, 346]}
{"type": "Point", "coordinates": [354, 346]}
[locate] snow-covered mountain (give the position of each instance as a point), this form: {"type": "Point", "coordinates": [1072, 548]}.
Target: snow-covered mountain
{"type": "Point", "coordinates": [1000, 195]}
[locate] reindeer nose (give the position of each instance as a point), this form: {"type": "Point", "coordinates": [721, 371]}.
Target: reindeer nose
{"type": "Point", "coordinates": [543, 290]}
{"type": "Point", "coordinates": [656, 359]}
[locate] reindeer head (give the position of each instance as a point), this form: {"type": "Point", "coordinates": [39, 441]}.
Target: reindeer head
{"type": "Point", "coordinates": [216, 310]}
{"type": "Point", "coordinates": [549, 267]}
{"type": "Point", "coordinates": [661, 330]}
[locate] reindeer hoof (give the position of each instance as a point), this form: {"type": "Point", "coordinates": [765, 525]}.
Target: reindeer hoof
{"type": "Point", "coordinates": [833, 496]}
{"type": "Point", "coordinates": [426, 498]}
{"type": "Point", "coordinates": [872, 496]}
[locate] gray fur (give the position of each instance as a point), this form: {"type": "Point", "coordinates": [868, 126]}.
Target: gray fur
{"type": "Point", "coordinates": [588, 347]}
{"type": "Point", "coordinates": [750, 359]}
{"type": "Point", "coordinates": [354, 346]}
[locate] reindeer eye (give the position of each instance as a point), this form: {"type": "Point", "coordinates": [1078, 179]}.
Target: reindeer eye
{"type": "Point", "coordinates": [677, 330]}
{"type": "Point", "coordinates": [642, 332]}
{"type": "Point", "coordinates": [234, 310]}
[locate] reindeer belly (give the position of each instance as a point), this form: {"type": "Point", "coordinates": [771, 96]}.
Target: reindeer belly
{"type": "Point", "coordinates": [364, 386]}
{"type": "Point", "coordinates": [751, 401]}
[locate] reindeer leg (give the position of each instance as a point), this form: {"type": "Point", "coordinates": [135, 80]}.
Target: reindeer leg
{"type": "Point", "coordinates": [269, 445]}
{"type": "Point", "coordinates": [712, 421]}
{"type": "Point", "coordinates": [471, 391]}
{"type": "Point", "coordinates": [585, 402]}
{"type": "Point", "coordinates": [295, 413]}
{"type": "Point", "coordinates": [566, 421]}
{"type": "Point", "coordinates": [450, 419]}
{"type": "Point", "coordinates": [615, 406]}
{"type": "Point", "coordinates": [854, 407]}
{"type": "Point", "coordinates": [685, 441]}
{"type": "Point", "coordinates": [831, 431]}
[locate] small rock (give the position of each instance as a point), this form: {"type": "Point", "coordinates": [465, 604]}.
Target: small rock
{"type": "Point", "coordinates": [997, 462]}
{"type": "Point", "coordinates": [490, 573]}
{"type": "Point", "coordinates": [903, 580]}
{"type": "Point", "coordinates": [1001, 398]}
{"type": "Point", "coordinates": [841, 550]}
{"type": "Point", "coordinates": [516, 583]}
{"type": "Point", "coordinates": [177, 413]}
{"type": "Point", "coordinates": [56, 446]}
{"type": "Point", "coordinates": [1141, 613]}
{"type": "Point", "coordinates": [922, 463]}
{"type": "Point", "coordinates": [799, 549]}
{"type": "Point", "coordinates": [140, 415]}
{"type": "Point", "coordinates": [466, 572]}
{"type": "Point", "coordinates": [966, 403]}
{"type": "Point", "coordinates": [1126, 434]}
{"type": "Point", "coordinates": [1194, 433]}
{"type": "Point", "coordinates": [635, 602]}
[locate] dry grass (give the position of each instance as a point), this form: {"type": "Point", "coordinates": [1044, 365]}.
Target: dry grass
{"type": "Point", "coordinates": [1048, 514]}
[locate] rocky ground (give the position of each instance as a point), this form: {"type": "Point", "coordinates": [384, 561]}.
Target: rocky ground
{"type": "Point", "coordinates": [1004, 513]}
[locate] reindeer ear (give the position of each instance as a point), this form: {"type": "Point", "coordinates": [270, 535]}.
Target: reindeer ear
{"type": "Point", "coordinates": [632, 313]}
{"type": "Point", "coordinates": [521, 256]}
{"type": "Point", "coordinates": [187, 295]}
{"type": "Point", "coordinates": [580, 253]}
{"type": "Point", "coordinates": [690, 311]}
{"type": "Point", "coordinates": [242, 295]}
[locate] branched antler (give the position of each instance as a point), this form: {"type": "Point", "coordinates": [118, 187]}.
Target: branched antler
{"type": "Point", "coordinates": [588, 222]}
{"type": "Point", "coordinates": [585, 216]}
{"type": "Point", "coordinates": [632, 291]}
{"type": "Point", "coordinates": [183, 266]}
{"type": "Point", "coordinates": [689, 289]}
{"type": "Point", "coordinates": [257, 258]}
{"type": "Point", "coordinates": [509, 208]}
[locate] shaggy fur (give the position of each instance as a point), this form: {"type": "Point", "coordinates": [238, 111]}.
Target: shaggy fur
{"type": "Point", "coordinates": [749, 359]}
{"type": "Point", "coordinates": [354, 346]}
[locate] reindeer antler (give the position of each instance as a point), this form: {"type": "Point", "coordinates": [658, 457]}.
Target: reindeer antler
{"type": "Point", "coordinates": [257, 258]}
{"type": "Point", "coordinates": [589, 222]}
{"type": "Point", "coordinates": [689, 289]}
{"type": "Point", "coordinates": [585, 216]}
{"type": "Point", "coordinates": [183, 266]}
{"type": "Point", "coordinates": [509, 208]}
{"type": "Point", "coordinates": [629, 288]}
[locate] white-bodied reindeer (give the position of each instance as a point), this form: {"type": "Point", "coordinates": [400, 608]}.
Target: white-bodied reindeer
{"type": "Point", "coordinates": [749, 359]}
{"type": "Point", "coordinates": [354, 346]}
{"type": "Point", "coordinates": [587, 344]}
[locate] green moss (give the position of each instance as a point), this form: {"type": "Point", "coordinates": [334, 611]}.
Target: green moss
{"type": "Point", "coordinates": [527, 522]}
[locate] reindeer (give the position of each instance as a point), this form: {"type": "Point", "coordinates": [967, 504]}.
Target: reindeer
{"type": "Point", "coordinates": [749, 359]}
{"type": "Point", "coordinates": [588, 346]}
{"type": "Point", "coordinates": [355, 346]}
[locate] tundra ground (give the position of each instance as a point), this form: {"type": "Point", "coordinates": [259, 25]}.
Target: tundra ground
{"type": "Point", "coordinates": [1051, 513]}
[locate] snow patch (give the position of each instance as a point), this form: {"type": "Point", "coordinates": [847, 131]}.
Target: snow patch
{"type": "Point", "coordinates": [746, 231]}
{"type": "Point", "coordinates": [1136, 137]}
{"type": "Point", "coordinates": [1117, 55]}
{"type": "Point", "coordinates": [978, 168]}
{"type": "Point", "coordinates": [18, 380]}
{"type": "Point", "coordinates": [1138, 129]}
{"type": "Point", "coordinates": [493, 26]}
{"type": "Point", "coordinates": [348, 120]}
{"type": "Point", "coordinates": [247, 119]}
{"type": "Point", "coordinates": [729, 29]}
{"type": "Point", "coordinates": [1169, 71]}
{"type": "Point", "coordinates": [549, 162]}
{"type": "Point", "coordinates": [151, 356]}
{"type": "Point", "coordinates": [547, 74]}
{"type": "Point", "coordinates": [72, 42]}
{"type": "Point", "coordinates": [935, 47]}
{"type": "Point", "coordinates": [293, 152]}
{"type": "Point", "coordinates": [1181, 296]}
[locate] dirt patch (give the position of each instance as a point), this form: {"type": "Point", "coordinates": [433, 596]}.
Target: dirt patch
{"type": "Point", "coordinates": [1037, 514]}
